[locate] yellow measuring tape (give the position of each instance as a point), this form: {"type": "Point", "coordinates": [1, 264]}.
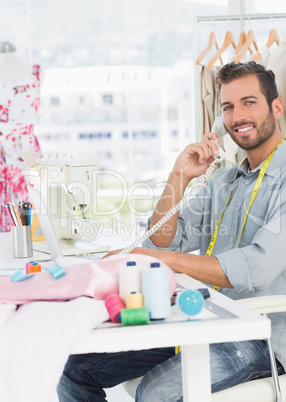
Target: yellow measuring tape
{"type": "Point", "coordinates": [252, 198]}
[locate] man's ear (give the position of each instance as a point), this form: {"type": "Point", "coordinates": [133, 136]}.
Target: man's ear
{"type": "Point", "coordinates": [278, 108]}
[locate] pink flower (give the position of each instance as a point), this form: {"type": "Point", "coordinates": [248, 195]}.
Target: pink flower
{"type": "Point", "coordinates": [13, 182]}
{"type": "Point", "coordinates": [36, 71]}
{"type": "Point", "coordinates": [4, 114]}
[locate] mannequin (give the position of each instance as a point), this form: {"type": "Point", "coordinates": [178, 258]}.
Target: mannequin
{"type": "Point", "coordinates": [12, 66]}
{"type": "Point", "coordinates": [20, 83]}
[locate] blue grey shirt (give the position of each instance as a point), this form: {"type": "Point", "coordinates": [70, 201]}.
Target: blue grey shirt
{"type": "Point", "coordinates": [256, 264]}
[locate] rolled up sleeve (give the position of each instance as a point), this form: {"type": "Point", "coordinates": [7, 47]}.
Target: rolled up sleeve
{"type": "Point", "coordinates": [258, 265]}
{"type": "Point", "coordinates": [188, 234]}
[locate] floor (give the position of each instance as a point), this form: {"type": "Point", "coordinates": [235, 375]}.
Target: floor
{"type": "Point", "coordinates": [118, 394]}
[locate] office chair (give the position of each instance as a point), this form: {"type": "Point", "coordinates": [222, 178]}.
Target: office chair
{"type": "Point", "coordinates": [272, 389]}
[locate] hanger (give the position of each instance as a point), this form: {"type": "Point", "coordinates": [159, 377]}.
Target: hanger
{"type": "Point", "coordinates": [273, 38]}
{"type": "Point", "coordinates": [212, 42]}
{"type": "Point", "coordinates": [228, 40]}
{"type": "Point", "coordinates": [250, 40]}
{"type": "Point", "coordinates": [241, 42]}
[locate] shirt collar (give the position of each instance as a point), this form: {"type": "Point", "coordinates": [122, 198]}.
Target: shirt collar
{"type": "Point", "coordinates": [275, 163]}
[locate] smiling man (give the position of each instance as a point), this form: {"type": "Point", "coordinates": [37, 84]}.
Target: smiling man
{"type": "Point", "coordinates": [251, 120]}
{"type": "Point", "coordinates": [241, 211]}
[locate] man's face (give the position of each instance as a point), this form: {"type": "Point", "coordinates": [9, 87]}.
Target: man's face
{"type": "Point", "coordinates": [246, 113]}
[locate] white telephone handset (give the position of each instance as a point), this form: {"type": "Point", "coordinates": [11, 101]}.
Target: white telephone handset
{"type": "Point", "coordinates": [200, 182]}
{"type": "Point", "coordinates": [221, 154]}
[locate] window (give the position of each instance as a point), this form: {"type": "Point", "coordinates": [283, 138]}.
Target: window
{"type": "Point", "coordinates": [55, 101]}
{"type": "Point", "coordinates": [107, 98]}
{"type": "Point", "coordinates": [116, 77]}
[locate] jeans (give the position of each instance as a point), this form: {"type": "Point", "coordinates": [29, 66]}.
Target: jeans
{"type": "Point", "coordinates": [85, 376]}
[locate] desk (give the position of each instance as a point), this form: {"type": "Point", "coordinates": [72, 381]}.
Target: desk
{"type": "Point", "coordinates": [194, 336]}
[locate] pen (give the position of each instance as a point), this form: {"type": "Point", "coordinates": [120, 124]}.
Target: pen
{"type": "Point", "coordinates": [30, 214]}
{"type": "Point", "coordinates": [10, 215]}
{"type": "Point", "coordinates": [12, 212]}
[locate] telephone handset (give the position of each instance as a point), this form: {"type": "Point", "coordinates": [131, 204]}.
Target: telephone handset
{"type": "Point", "coordinates": [200, 183]}
{"type": "Point", "coordinates": [221, 154]}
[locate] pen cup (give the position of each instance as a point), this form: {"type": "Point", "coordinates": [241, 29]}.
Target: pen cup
{"type": "Point", "coordinates": [22, 241]}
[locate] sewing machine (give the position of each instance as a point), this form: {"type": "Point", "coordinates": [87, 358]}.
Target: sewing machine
{"type": "Point", "coordinates": [68, 188]}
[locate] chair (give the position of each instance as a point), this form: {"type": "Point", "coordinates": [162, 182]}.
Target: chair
{"type": "Point", "coordinates": [262, 390]}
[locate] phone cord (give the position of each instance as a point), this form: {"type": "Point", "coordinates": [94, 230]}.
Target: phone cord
{"type": "Point", "coordinates": [200, 183]}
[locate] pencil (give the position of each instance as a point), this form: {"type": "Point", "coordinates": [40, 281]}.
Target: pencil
{"type": "Point", "coordinates": [17, 215]}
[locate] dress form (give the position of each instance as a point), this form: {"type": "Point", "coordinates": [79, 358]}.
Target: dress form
{"type": "Point", "coordinates": [12, 66]}
{"type": "Point", "coordinates": [20, 83]}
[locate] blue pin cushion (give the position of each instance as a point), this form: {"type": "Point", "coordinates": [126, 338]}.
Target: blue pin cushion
{"type": "Point", "coordinates": [190, 302]}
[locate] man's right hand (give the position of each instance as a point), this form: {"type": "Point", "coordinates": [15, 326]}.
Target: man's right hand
{"type": "Point", "coordinates": [196, 158]}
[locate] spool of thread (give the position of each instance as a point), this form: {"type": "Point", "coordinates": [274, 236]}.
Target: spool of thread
{"type": "Point", "coordinates": [129, 279]}
{"type": "Point", "coordinates": [190, 302]}
{"type": "Point", "coordinates": [156, 291]}
{"type": "Point", "coordinates": [134, 300]}
{"type": "Point", "coordinates": [114, 305]}
{"type": "Point", "coordinates": [135, 316]}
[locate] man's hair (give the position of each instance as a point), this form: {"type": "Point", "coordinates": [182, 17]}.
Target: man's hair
{"type": "Point", "coordinates": [266, 78]}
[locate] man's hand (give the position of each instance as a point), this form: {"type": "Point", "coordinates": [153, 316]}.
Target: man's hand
{"type": "Point", "coordinates": [138, 250]}
{"type": "Point", "coordinates": [196, 158]}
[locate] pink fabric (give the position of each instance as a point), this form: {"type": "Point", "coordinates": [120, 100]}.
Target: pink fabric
{"type": "Point", "coordinates": [93, 279]}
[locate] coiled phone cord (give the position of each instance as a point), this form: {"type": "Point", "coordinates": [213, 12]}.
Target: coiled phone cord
{"type": "Point", "coordinates": [200, 183]}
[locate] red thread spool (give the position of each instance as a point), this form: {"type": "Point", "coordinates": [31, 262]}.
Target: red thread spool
{"type": "Point", "coordinates": [114, 305]}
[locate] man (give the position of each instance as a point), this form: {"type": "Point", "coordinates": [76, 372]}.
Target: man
{"type": "Point", "coordinates": [247, 233]}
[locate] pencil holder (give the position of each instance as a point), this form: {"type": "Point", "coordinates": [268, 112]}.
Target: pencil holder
{"type": "Point", "coordinates": [22, 241]}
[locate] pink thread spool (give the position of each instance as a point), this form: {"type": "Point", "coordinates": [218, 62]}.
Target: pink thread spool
{"type": "Point", "coordinates": [114, 305]}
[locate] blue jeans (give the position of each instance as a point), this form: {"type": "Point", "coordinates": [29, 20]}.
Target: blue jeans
{"type": "Point", "coordinates": [86, 375]}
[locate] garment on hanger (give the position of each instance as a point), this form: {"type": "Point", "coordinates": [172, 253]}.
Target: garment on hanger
{"type": "Point", "coordinates": [19, 104]}
{"type": "Point", "coordinates": [207, 98]}
{"type": "Point", "coordinates": [263, 54]}
{"type": "Point", "coordinates": [277, 63]}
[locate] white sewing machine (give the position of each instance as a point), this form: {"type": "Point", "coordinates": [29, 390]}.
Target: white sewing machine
{"type": "Point", "coordinates": [68, 188]}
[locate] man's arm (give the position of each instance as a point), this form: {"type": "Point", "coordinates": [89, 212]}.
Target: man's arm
{"type": "Point", "coordinates": [201, 268]}
{"type": "Point", "coordinates": [191, 163]}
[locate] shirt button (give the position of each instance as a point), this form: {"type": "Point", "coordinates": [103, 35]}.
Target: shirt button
{"type": "Point", "coordinates": [231, 240]}
{"type": "Point", "coordinates": [236, 210]}
{"type": "Point", "coordinates": [246, 182]}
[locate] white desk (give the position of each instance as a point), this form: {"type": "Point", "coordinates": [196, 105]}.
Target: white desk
{"type": "Point", "coordinates": [193, 336]}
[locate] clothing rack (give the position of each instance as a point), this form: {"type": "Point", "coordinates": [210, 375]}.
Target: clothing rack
{"type": "Point", "coordinates": [240, 17]}
{"type": "Point", "coordinates": [243, 18]}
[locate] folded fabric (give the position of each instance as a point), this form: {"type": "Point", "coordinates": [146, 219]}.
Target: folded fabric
{"type": "Point", "coordinates": [93, 279]}
{"type": "Point", "coordinates": [35, 342]}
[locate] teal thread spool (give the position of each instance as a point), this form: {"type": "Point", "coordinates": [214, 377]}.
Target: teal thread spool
{"type": "Point", "coordinates": [135, 316]}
